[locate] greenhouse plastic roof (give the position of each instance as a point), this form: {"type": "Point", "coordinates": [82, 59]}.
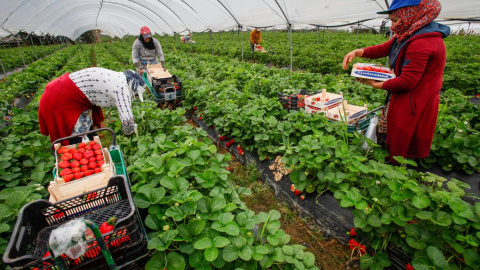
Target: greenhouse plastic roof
{"type": "Point", "coordinates": [71, 18]}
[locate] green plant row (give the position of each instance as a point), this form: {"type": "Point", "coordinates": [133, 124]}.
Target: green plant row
{"type": "Point", "coordinates": [26, 83]}
{"type": "Point", "coordinates": [12, 58]}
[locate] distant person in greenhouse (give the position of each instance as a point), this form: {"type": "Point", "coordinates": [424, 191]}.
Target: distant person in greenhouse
{"type": "Point", "coordinates": [417, 56]}
{"type": "Point", "coordinates": [71, 104]}
{"type": "Point", "coordinates": [255, 38]}
{"type": "Point", "coordinates": [145, 50]}
{"type": "Point", "coordinates": [188, 39]}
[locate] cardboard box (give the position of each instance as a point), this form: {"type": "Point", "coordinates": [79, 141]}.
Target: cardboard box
{"type": "Point", "coordinates": [372, 71]}
{"type": "Point", "coordinates": [323, 100]}
{"type": "Point", "coordinates": [346, 112]}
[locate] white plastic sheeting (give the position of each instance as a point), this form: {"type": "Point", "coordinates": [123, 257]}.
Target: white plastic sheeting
{"type": "Point", "coordinates": [71, 18]}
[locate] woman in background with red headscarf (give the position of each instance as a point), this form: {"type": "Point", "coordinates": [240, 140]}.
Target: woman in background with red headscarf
{"type": "Point", "coordinates": [417, 56]}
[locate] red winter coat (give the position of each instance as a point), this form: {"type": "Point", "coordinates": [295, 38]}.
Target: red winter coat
{"type": "Point", "coordinates": [413, 109]}
{"type": "Point", "coordinates": [60, 106]}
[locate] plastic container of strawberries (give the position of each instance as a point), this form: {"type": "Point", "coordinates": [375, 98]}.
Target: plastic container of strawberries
{"type": "Point", "coordinates": [29, 242]}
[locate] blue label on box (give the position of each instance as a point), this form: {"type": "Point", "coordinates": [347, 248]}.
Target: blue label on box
{"type": "Point", "coordinates": [373, 74]}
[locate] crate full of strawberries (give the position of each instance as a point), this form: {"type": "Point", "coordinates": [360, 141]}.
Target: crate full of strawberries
{"type": "Point", "coordinates": [80, 168]}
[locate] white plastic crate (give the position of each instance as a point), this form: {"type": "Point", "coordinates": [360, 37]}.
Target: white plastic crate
{"type": "Point", "coordinates": [346, 112]}
{"type": "Point", "coordinates": [323, 100]}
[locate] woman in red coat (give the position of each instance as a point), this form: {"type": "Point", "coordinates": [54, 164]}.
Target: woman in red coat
{"type": "Point", "coordinates": [417, 54]}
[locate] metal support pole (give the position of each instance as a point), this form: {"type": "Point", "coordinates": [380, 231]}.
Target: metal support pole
{"type": "Point", "coordinates": [191, 45]}
{"type": "Point", "coordinates": [3, 68]}
{"type": "Point", "coordinates": [48, 45]}
{"type": "Point", "coordinates": [211, 41]}
{"type": "Point", "coordinates": [242, 39]}
{"type": "Point", "coordinates": [34, 49]}
{"type": "Point", "coordinates": [43, 47]}
{"type": "Point", "coordinates": [291, 46]}
{"type": "Point", "coordinates": [23, 59]}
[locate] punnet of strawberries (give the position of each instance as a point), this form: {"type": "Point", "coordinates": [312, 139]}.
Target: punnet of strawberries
{"type": "Point", "coordinates": [83, 160]}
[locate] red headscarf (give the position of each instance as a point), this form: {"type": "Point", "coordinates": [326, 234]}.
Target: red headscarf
{"type": "Point", "coordinates": [415, 17]}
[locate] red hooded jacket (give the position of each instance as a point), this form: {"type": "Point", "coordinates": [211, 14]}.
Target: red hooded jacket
{"type": "Point", "coordinates": [413, 110]}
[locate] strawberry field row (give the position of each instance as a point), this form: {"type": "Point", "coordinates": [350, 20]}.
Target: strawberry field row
{"type": "Point", "coordinates": [11, 58]}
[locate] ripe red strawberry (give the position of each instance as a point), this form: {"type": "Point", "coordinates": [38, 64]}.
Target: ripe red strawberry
{"type": "Point", "coordinates": [63, 150]}
{"type": "Point", "coordinates": [302, 197]}
{"type": "Point", "coordinates": [99, 157]}
{"type": "Point", "coordinates": [92, 159]}
{"type": "Point", "coordinates": [410, 267]}
{"type": "Point", "coordinates": [292, 188]}
{"type": "Point", "coordinates": [76, 169]}
{"type": "Point", "coordinates": [84, 161]}
{"type": "Point", "coordinates": [352, 244]}
{"type": "Point", "coordinates": [89, 172]}
{"type": "Point", "coordinates": [65, 172]}
{"type": "Point", "coordinates": [241, 153]}
{"type": "Point", "coordinates": [266, 158]}
{"type": "Point", "coordinates": [91, 143]}
{"type": "Point", "coordinates": [101, 136]}
{"type": "Point", "coordinates": [477, 95]}
{"type": "Point", "coordinates": [352, 232]}
{"type": "Point", "coordinates": [108, 225]}
{"type": "Point", "coordinates": [81, 151]}
{"type": "Point", "coordinates": [66, 156]}
{"type": "Point", "coordinates": [88, 147]}
{"type": "Point", "coordinates": [200, 118]}
{"type": "Point", "coordinates": [84, 168]}
{"type": "Point", "coordinates": [98, 170]}
{"type": "Point", "coordinates": [75, 163]}
{"type": "Point", "coordinates": [239, 147]}
{"type": "Point", "coordinates": [297, 192]}
{"type": "Point", "coordinates": [88, 154]}
{"type": "Point", "coordinates": [229, 169]}
{"type": "Point", "coordinates": [362, 249]}
{"type": "Point", "coordinates": [78, 175]}
{"type": "Point", "coordinates": [98, 152]}
{"type": "Point", "coordinates": [81, 145]}
{"type": "Point", "coordinates": [68, 177]}
{"type": "Point", "coordinates": [64, 164]}
{"type": "Point", "coordinates": [73, 151]}
{"type": "Point", "coordinates": [232, 141]}
{"type": "Point", "coordinates": [100, 163]}
{"type": "Point", "coordinates": [92, 165]}
{"type": "Point", "coordinates": [194, 108]}
{"type": "Point", "coordinates": [96, 147]}
{"type": "Point", "coordinates": [77, 156]}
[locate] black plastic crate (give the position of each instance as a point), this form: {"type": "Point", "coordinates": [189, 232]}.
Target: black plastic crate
{"type": "Point", "coordinates": [37, 219]}
{"type": "Point", "coordinates": [293, 101]}
{"type": "Point", "coordinates": [164, 86]}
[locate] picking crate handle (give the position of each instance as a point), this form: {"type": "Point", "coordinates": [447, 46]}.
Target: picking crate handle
{"type": "Point", "coordinates": [100, 242]}
{"type": "Point", "coordinates": [52, 147]}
